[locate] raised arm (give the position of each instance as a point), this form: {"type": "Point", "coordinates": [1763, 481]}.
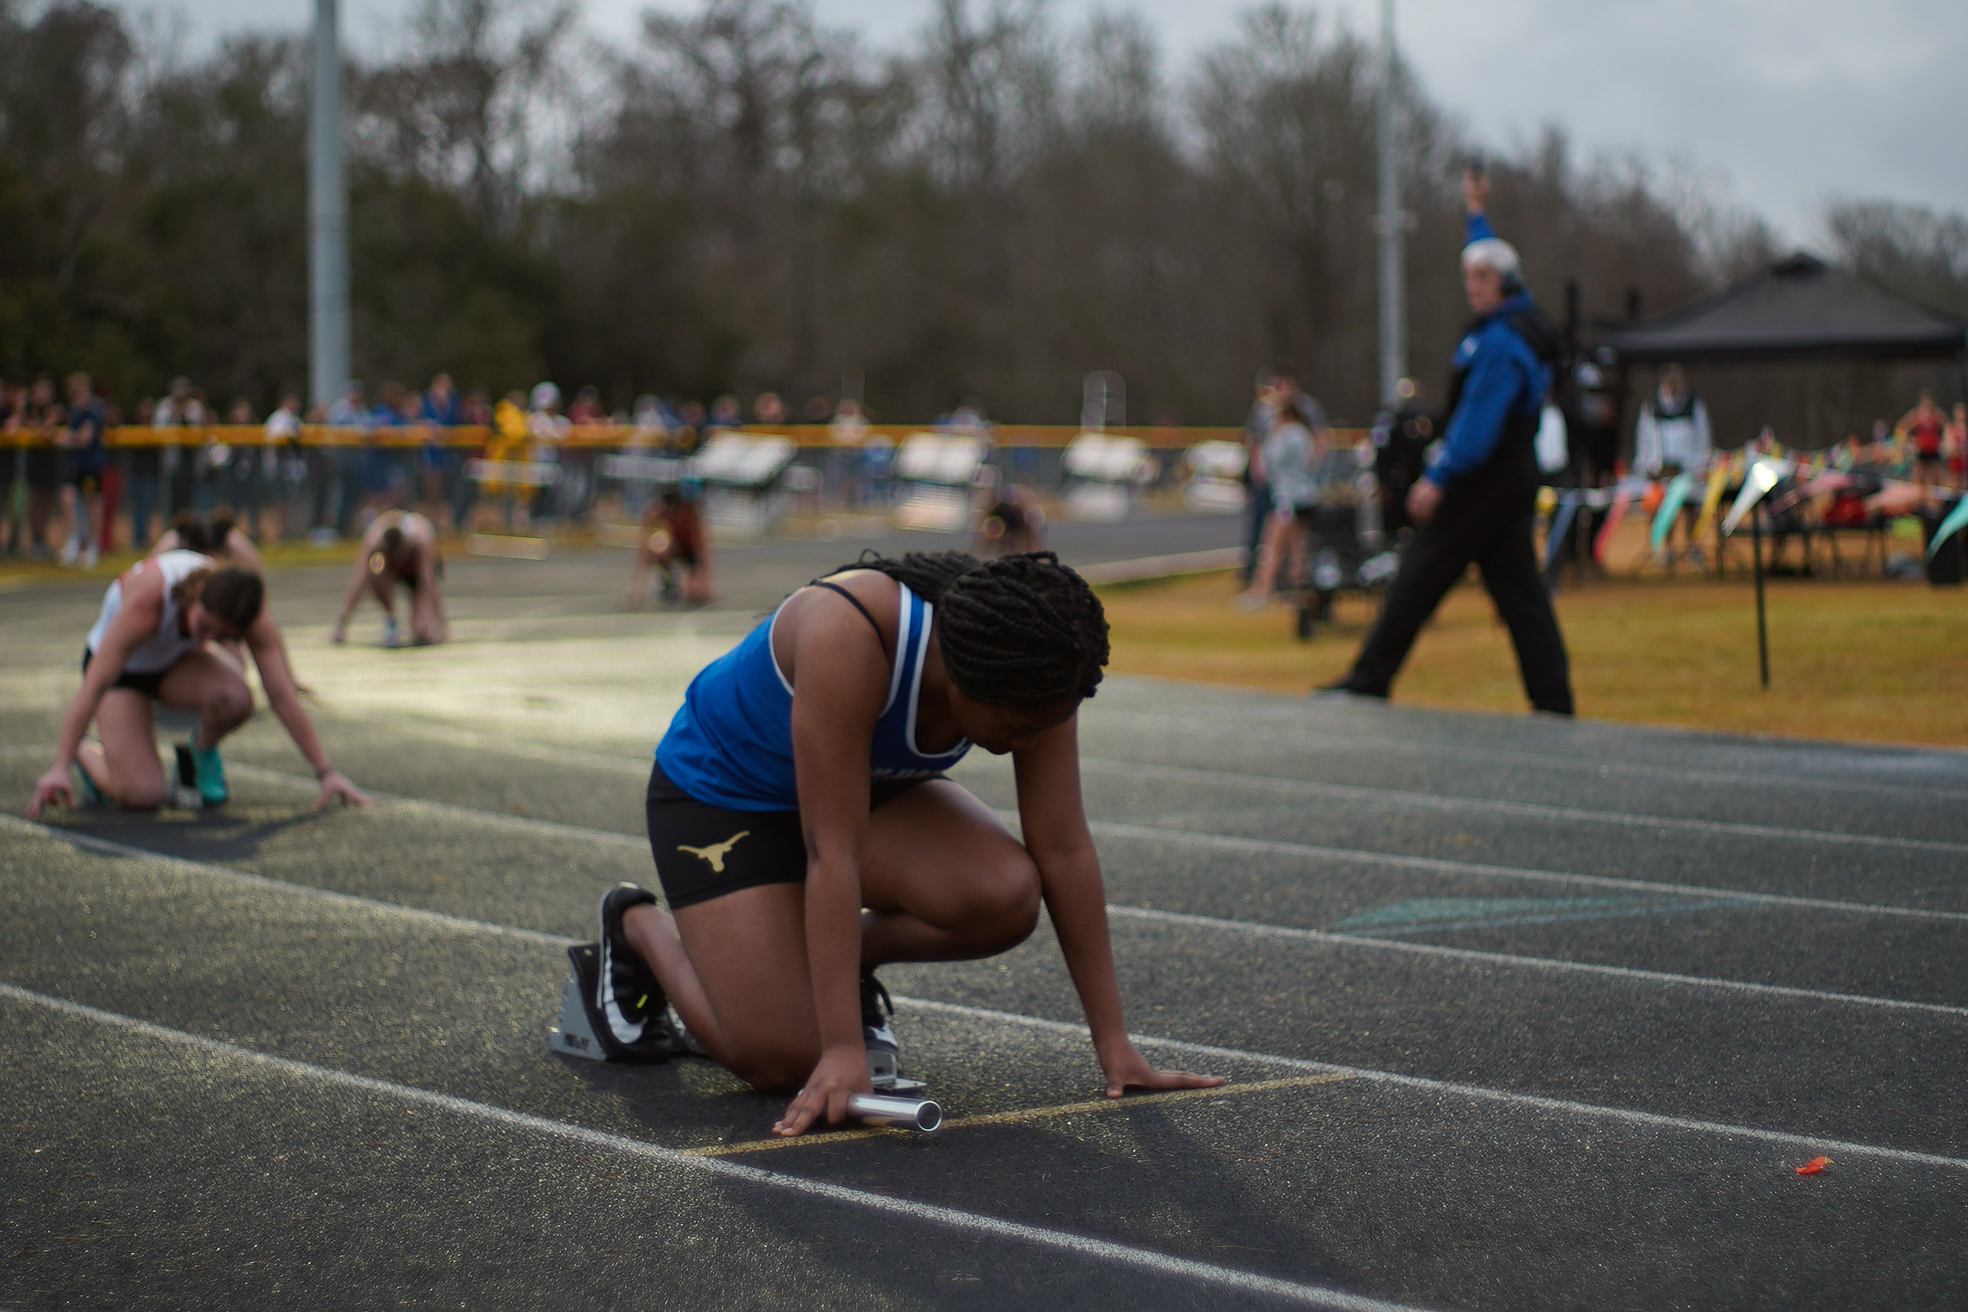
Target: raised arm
{"type": "Point", "coordinates": [1476, 205]}
{"type": "Point", "coordinates": [270, 655]}
{"type": "Point", "coordinates": [1056, 834]}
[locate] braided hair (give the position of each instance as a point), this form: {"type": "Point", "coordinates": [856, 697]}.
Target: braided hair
{"type": "Point", "coordinates": [1015, 631]}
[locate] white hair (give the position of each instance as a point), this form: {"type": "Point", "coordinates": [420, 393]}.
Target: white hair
{"type": "Point", "coordinates": [1492, 253]}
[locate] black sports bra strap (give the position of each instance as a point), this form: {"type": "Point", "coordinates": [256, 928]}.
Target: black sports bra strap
{"type": "Point", "coordinates": [880, 637]}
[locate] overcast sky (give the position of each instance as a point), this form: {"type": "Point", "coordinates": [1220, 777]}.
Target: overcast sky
{"type": "Point", "coordinates": [1784, 103]}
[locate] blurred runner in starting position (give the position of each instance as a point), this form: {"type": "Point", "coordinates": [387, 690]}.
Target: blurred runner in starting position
{"type": "Point", "coordinates": [672, 541]}
{"type": "Point", "coordinates": [399, 547]}
{"type": "Point", "coordinates": [149, 645]}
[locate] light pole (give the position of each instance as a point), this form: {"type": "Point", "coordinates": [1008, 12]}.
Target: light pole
{"type": "Point", "coordinates": [1391, 221]}
{"type": "Point", "coordinates": [328, 269]}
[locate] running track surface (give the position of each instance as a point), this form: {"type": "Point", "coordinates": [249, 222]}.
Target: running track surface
{"type": "Point", "coordinates": [1520, 1014]}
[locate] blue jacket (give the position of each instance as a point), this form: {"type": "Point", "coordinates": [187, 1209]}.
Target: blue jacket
{"type": "Point", "coordinates": [1504, 378]}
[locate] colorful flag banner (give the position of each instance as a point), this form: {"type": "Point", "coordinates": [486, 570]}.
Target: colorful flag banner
{"type": "Point", "coordinates": [1718, 482]}
{"type": "Point", "coordinates": [1678, 492]}
{"type": "Point", "coordinates": [1765, 474]}
{"type": "Point", "coordinates": [1623, 496]}
{"type": "Point", "coordinates": [1561, 527]}
{"type": "Point", "coordinates": [1949, 526]}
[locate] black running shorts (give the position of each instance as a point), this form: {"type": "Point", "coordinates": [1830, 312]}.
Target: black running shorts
{"type": "Point", "coordinates": [147, 684]}
{"type": "Point", "coordinates": [704, 851]}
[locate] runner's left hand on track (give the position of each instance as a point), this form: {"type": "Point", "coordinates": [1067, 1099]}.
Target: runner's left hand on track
{"type": "Point", "coordinates": [840, 1074]}
{"type": "Point", "coordinates": [49, 788]}
{"type": "Point", "coordinates": [335, 785]}
{"type": "Point", "coordinates": [1130, 1070]}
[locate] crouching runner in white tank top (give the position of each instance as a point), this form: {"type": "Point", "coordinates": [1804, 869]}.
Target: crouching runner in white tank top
{"type": "Point", "coordinates": [805, 835]}
{"type": "Point", "coordinates": [148, 645]}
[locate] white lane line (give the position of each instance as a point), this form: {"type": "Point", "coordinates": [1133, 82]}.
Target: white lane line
{"type": "Point", "coordinates": [1474, 869]}
{"type": "Point", "coordinates": [1473, 1091]}
{"type": "Point", "coordinates": [506, 746]}
{"type": "Point", "coordinates": [949, 1218]}
{"type": "Point", "coordinates": [1351, 792]}
{"type": "Point", "coordinates": [1535, 963]}
{"type": "Point", "coordinates": [519, 823]}
{"type": "Point", "coordinates": [1531, 810]}
{"type": "Point", "coordinates": [1307, 738]}
{"type": "Point", "coordinates": [1190, 837]}
{"type": "Point", "coordinates": [1252, 928]}
{"type": "Point", "coordinates": [639, 764]}
{"type": "Point", "coordinates": [1181, 1045]}
{"type": "Point", "coordinates": [367, 904]}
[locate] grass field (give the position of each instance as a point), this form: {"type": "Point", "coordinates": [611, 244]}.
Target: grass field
{"type": "Point", "coordinates": [1869, 660]}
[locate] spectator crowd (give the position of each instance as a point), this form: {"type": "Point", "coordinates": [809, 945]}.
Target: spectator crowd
{"type": "Point", "coordinates": [68, 492]}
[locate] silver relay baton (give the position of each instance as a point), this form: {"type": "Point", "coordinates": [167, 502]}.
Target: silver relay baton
{"type": "Point", "coordinates": [895, 1113]}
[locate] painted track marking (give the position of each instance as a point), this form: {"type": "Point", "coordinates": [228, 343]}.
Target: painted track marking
{"type": "Point", "coordinates": [1473, 1091]}
{"type": "Point", "coordinates": [1475, 869]}
{"type": "Point", "coordinates": [1297, 738]}
{"type": "Point", "coordinates": [1537, 963]}
{"type": "Point", "coordinates": [1025, 1115]}
{"type": "Point", "coordinates": [1177, 1045]}
{"type": "Point", "coordinates": [111, 848]}
{"type": "Point", "coordinates": [639, 765]}
{"type": "Point", "coordinates": [1191, 837]}
{"type": "Point", "coordinates": [1141, 1259]}
{"type": "Point", "coordinates": [1531, 810]}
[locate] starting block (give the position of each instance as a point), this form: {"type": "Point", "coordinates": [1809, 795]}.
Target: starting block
{"type": "Point", "coordinates": [575, 1035]}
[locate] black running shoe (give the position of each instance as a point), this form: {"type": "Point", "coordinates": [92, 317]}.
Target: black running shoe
{"type": "Point", "coordinates": [626, 1004]}
{"type": "Point", "coordinates": [658, 1042]}
{"type": "Point", "coordinates": [884, 1053]}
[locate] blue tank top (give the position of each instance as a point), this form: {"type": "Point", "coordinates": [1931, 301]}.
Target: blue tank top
{"type": "Point", "coordinates": [732, 742]}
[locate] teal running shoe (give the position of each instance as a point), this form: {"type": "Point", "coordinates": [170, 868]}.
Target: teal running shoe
{"type": "Point", "coordinates": [211, 773]}
{"type": "Point", "coordinates": [91, 795]}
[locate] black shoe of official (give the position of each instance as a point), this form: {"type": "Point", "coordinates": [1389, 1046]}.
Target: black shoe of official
{"type": "Point", "coordinates": [884, 1053]}
{"type": "Point", "coordinates": [626, 1005]}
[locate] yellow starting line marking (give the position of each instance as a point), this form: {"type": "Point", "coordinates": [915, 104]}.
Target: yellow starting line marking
{"type": "Point", "coordinates": [1017, 1117]}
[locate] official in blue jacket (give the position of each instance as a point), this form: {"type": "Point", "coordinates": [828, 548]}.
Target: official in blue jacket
{"type": "Point", "coordinates": [1476, 499]}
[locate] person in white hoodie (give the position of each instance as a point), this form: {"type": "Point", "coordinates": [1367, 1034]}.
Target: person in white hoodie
{"type": "Point", "coordinates": [1673, 436]}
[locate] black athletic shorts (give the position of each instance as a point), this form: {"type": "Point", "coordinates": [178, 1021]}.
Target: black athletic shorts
{"type": "Point", "coordinates": [704, 851]}
{"type": "Point", "coordinates": [147, 684]}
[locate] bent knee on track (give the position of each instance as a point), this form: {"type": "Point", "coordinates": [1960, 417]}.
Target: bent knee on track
{"type": "Point", "coordinates": [772, 1068]}
{"type": "Point", "coordinates": [1004, 900]}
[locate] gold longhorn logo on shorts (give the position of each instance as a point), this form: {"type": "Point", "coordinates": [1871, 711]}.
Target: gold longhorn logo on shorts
{"type": "Point", "coordinates": [716, 851]}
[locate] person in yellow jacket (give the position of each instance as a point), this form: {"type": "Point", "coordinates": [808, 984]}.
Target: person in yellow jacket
{"type": "Point", "coordinates": [507, 442]}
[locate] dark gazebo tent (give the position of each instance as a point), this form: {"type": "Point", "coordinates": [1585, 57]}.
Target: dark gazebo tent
{"type": "Point", "coordinates": [1799, 309]}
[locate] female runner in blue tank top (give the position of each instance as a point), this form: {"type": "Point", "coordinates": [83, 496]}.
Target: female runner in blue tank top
{"type": "Point", "coordinates": [804, 833]}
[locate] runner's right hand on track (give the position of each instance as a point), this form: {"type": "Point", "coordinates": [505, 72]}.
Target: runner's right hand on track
{"type": "Point", "coordinates": [49, 788]}
{"type": "Point", "coordinates": [842, 1072]}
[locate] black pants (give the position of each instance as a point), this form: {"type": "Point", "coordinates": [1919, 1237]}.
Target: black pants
{"type": "Point", "coordinates": [1493, 531]}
